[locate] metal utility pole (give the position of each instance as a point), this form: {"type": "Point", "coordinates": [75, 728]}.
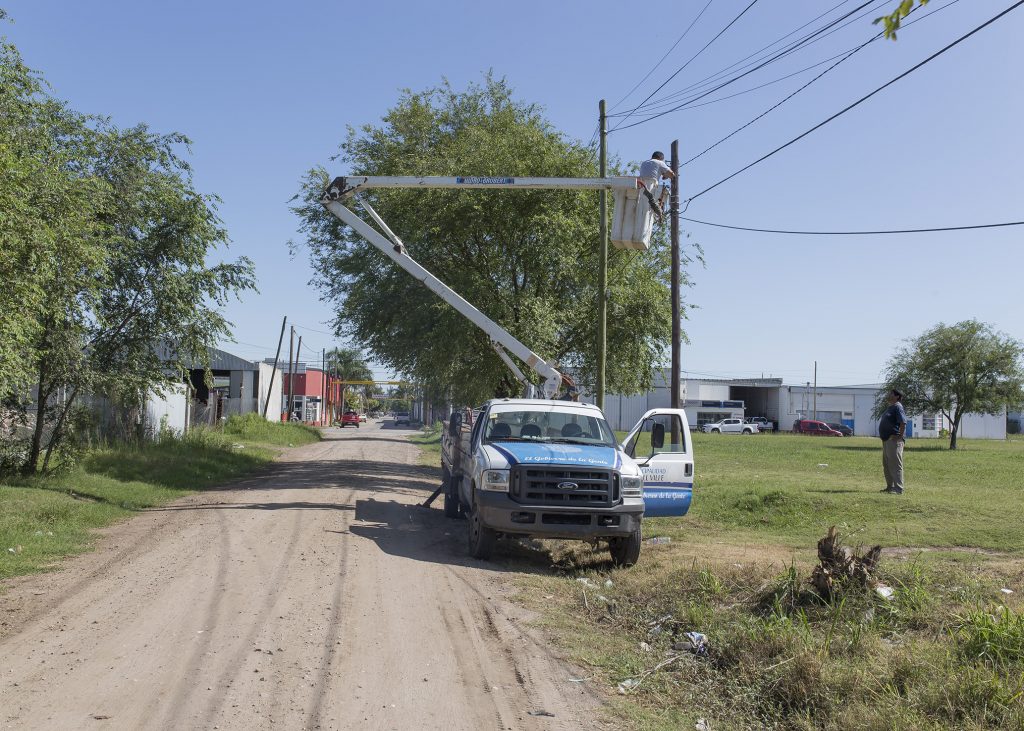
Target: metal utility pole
{"type": "Point", "coordinates": [602, 273]}
{"type": "Point", "coordinates": [815, 407]}
{"type": "Point", "coordinates": [270, 386]}
{"type": "Point", "coordinates": [298, 354]}
{"type": "Point", "coordinates": [291, 374]}
{"type": "Point", "coordinates": [677, 327]}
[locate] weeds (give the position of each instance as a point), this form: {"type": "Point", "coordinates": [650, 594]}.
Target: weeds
{"type": "Point", "coordinates": [781, 656]}
{"type": "Point", "coordinates": [994, 637]}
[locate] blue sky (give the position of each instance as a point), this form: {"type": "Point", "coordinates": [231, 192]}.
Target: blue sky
{"type": "Point", "coordinates": [265, 91]}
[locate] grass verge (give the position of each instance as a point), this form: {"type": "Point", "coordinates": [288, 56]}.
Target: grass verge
{"type": "Point", "coordinates": [429, 441]}
{"type": "Point", "coordinates": [47, 517]}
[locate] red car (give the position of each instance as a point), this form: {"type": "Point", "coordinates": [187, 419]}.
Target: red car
{"type": "Point", "coordinates": [817, 428]}
{"type": "Point", "coordinates": [350, 418]}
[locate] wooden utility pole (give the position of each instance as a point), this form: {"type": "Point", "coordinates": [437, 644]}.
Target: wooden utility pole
{"type": "Point", "coordinates": [677, 328]}
{"type": "Point", "coordinates": [602, 272]}
{"type": "Point", "coordinates": [270, 386]}
{"type": "Point", "coordinates": [291, 374]}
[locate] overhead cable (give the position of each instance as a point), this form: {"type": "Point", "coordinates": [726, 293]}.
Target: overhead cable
{"type": "Point", "coordinates": [856, 233]}
{"type": "Point", "coordinates": [655, 67]}
{"type": "Point", "coordinates": [863, 99]}
{"type": "Point", "coordinates": [688, 62]}
{"type": "Point", "coordinates": [780, 54]}
{"type": "Point", "coordinates": [793, 94]}
{"type": "Point", "coordinates": [799, 44]}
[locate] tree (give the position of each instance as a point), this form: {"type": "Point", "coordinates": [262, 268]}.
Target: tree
{"type": "Point", "coordinates": [955, 370]}
{"type": "Point", "coordinates": [893, 19]}
{"type": "Point", "coordinates": [47, 199]}
{"type": "Point", "coordinates": [109, 248]}
{"type": "Point", "coordinates": [527, 259]}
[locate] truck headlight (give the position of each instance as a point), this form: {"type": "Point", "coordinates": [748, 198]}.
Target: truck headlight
{"type": "Point", "coordinates": [632, 486]}
{"type": "Point", "coordinates": [495, 481]}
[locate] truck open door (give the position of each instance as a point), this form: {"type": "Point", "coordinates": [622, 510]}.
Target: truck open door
{"type": "Point", "coordinates": [660, 444]}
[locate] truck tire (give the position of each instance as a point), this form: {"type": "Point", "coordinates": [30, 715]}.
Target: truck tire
{"type": "Point", "coordinates": [626, 551]}
{"type": "Point", "coordinates": [716, 431]}
{"type": "Point", "coordinates": [481, 538]}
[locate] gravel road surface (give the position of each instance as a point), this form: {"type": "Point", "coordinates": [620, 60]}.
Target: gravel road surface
{"type": "Point", "coordinates": [317, 595]}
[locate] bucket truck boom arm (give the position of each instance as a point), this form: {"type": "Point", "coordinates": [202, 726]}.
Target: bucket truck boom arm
{"type": "Point", "coordinates": [395, 250]}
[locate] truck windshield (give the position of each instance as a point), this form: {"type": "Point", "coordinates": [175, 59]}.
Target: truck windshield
{"type": "Point", "coordinates": [548, 425]}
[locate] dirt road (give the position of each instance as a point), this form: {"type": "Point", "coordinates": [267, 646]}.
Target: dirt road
{"type": "Point", "coordinates": [317, 596]}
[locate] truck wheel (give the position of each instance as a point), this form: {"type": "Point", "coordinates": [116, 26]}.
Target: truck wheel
{"type": "Point", "coordinates": [716, 431]}
{"type": "Point", "coordinates": [626, 551]}
{"type": "Point", "coordinates": [481, 538]}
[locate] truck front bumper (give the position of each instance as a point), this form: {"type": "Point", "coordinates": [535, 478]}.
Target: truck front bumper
{"type": "Point", "coordinates": [499, 512]}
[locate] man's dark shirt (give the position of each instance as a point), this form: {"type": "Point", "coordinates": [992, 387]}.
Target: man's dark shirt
{"type": "Point", "coordinates": [890, 422]}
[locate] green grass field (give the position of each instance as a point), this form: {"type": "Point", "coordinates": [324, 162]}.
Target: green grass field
{"type": "Point", "coordinates": [788, 489]}
{"type": "Point", "coordinates": [45, 518]}
{"type": "Point", "coordinates": [946, 651]}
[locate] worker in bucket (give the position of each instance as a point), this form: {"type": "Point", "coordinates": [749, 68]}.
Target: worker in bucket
{"type": "Point", "coordinates": [651, 173]}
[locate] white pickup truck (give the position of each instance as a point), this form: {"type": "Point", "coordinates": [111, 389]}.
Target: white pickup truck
{"type": "Point", "coordinates": [761, 423]}
{"type": "Point", "coordinates": [730, 426]}
{"type": "Point", "coordinates": [552, 469]}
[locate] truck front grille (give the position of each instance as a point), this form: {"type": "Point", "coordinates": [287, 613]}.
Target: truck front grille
{"type": "Point", "coordinates": [576, 487]}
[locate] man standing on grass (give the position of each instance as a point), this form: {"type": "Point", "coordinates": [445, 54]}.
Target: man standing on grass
{"type": "Point", "coordinates": [891, 428]}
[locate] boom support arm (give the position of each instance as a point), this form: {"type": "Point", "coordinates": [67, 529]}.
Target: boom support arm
{"type": "Point", "coordinates": [395, 251]}
{"type": "Point", "coordinates": [348, 186]}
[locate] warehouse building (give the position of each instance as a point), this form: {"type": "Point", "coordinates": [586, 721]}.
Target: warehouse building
{"type": "Point", "coordinates": [708, 400]}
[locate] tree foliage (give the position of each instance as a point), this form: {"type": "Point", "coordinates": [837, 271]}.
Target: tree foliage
{"type": "Point", "coordinates": [892, 20]}
{"type": "Point", "coordinates": [348, 364]}
{"type": "Point", "coordinates": [103, 259]}
{"type": "Point", "coordinates": [527, 259]}
{"type": "Point", "coordinates": [957, 369]}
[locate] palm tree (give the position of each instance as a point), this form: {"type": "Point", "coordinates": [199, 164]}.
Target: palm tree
{"type": "Point", "coordinates": [348, 364]}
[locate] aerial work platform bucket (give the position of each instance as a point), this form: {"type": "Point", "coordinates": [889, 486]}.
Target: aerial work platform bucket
{"type": "Point", "coordinates": [632, 220]}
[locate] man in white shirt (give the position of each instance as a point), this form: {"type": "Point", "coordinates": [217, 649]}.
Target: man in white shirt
{"type": "Point", "coordinates": [651, 172]}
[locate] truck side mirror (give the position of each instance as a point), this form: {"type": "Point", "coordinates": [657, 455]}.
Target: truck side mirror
{"type": "Point", "coordinates": [658, 436]}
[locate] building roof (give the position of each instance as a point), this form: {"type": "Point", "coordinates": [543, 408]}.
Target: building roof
{"type": "Point", "coordinates": [223, 360]}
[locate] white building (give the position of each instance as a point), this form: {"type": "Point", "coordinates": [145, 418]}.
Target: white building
{"type": "Point", "coordinates": [707, 400]}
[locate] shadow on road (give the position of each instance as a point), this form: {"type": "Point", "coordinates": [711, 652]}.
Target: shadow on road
{"type": "Point", "coordinates": [253, 506]}
{"type": "Point", "coordinates": [424, 534]}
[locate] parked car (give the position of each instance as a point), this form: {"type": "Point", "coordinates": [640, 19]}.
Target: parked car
{"type": "Point", "coordinates": [730, 426]}
{"type": "Point", "coordinates": [761, 423]}
{"type": "Point", "coordinates": [816, 428]}
{"type": "Point", "coordinates": [842, 429]}
{"type": "Point", "coordinates": [402, 417]}
{"type": "Point", "coordinates": [350, 418]}
{"type": "Point", "coordinates": [362, 418]}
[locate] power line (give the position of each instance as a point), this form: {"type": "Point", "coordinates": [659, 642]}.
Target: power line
{"type": "Point", "coordinates": [863, 99]}
{"type": "Point", "coordinates": [783, 100]}
{"type": "Point", "coordinates": [781, 54]}
{"type": "Point", "coordinates": [322, 332]}
{"type": "Point", "coordinates": [691, 59]}
{"type": "Point", "coordinates": [798, 45]}
{"type": "Point", "coordinates": [857, 233]}
{"type": "Point", "coordinates": [667, 53]}
{"type": "Point", "coordinates": [793, 94]}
